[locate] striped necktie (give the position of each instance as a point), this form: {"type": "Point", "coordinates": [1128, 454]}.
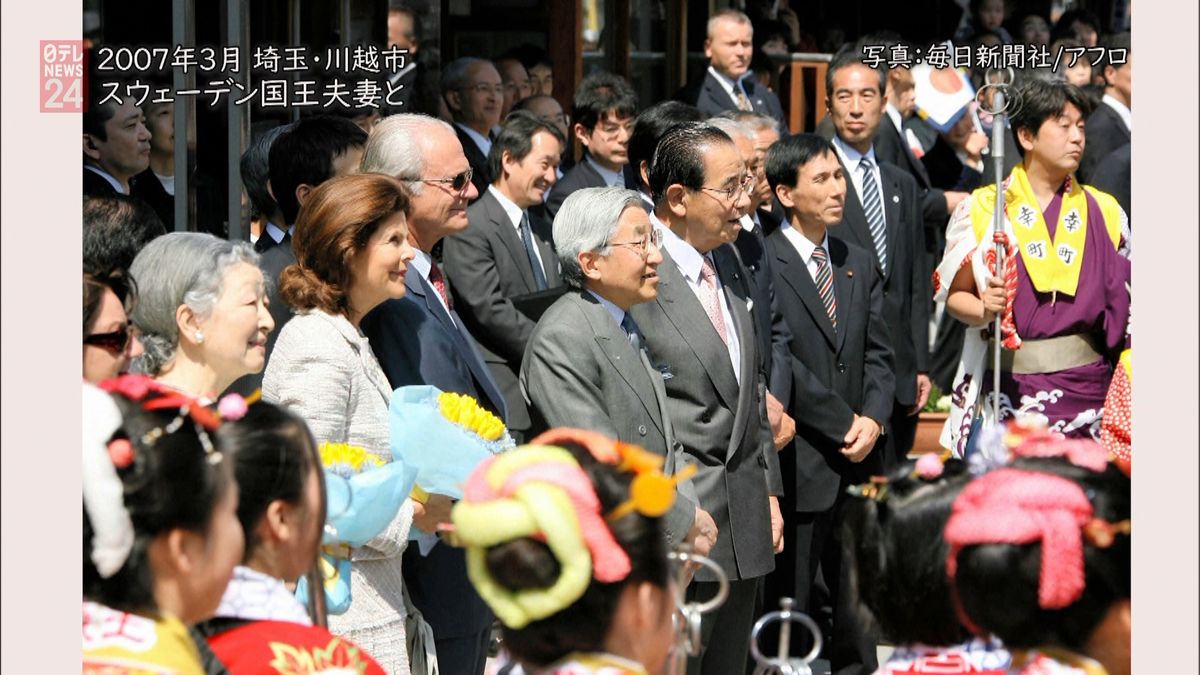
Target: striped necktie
{"type": "Point", "coordinates": [872, 204]}
{"type": "Point", "coordinates": [825, 283]}
{"type": "Point", "coordinates": [742, 102]}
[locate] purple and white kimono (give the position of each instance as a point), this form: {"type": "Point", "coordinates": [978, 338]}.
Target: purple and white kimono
{"type": "Point", "coordinates": [1070, 401]}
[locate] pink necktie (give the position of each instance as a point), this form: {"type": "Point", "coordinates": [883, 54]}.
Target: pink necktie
{"type": "Point", "coordinates": [711, 299]}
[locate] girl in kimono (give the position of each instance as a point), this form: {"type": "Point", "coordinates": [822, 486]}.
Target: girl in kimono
{"type": "Point", "coordinates": [1040, 557]}
{"type": "Point", "coordinates": [572, 562]}
{"type": "Point", "coordinates": [160, 528]}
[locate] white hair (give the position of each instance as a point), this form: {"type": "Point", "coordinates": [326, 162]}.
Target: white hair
{"type": "Point", "coordinates": [587, 222]}
{"type": "Point", "coordinates": [732, 128]}
{"type": "Point", "coordinates": [394, 148]}
{"type": "Point", "coordinates": [175, 269]}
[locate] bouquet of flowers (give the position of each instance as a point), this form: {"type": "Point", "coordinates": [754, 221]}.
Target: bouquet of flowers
{"type": "Point", "coordinates": [363, 495]}
{"type": "Point", "coordinates": [443, 436]}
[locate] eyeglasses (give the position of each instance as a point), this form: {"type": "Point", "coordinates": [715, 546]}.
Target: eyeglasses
{"type": "Point", "coordinates": [743, 186]}
{"type": "Point", "coordinates": [614, 131]}
{"type": "Point", "coordinates": [484, 89]}
{"type": "Point", "coordinates": [654, 236]}
{"type": "Point", "coordinates": [457, 183]}
{"type": "Point", "coordinates": [115, 342]}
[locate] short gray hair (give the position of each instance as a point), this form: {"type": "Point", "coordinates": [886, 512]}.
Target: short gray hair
{"type": "Point", "coordinates": [726, 15]}
{"type": "Point", "coordinates": [393, 147]}
{"type": "Point", "coordinates": [732, 128]}
{"type": "Point", "coordinates": [454, 74]}
{"type": "Point", "coordinates": [179, 268]}
{"type": "Point", "coordinates": [755, 122]}
{"type": "Point", "coordinates": [586, 222]}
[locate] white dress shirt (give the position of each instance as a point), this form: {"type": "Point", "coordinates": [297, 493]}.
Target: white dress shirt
{"type": "Point", "coordinates": [850, 159]}
{"type": "Point", "coordinates": [514, 213]}
{"type": "Point", "coordinates": [422, 264]}
{"type": "Point", "coordinates": [689, 261]}
{"type": "Point", "coordinates": [1122, 110]}
{"type": "Point", "coordinates": [482, 142]}
{"type": "Point", "coordinates": [277, 234]}
{"type": "Point", "coordinates": [805, 248]}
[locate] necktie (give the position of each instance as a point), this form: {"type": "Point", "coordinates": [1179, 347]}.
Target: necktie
{"type": "Point", "coordinates": [631, 330]}
{"type": "Point", "coordinates": [873, 206]}
{"type": "Point", "coordinates": [539, 276]}
{"type": "Point", "coordinates": [743, 103]}
{"type": "Point", "coordinates": [825, 283]}
{"type": "Point", "coordinates": [439, 283]}
{"type": "Point", "coordinates": [710, 298]}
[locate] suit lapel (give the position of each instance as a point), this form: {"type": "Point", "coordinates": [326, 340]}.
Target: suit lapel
{"type": "Point", "coordinates": [793, 270]}
{"type": "Point", "coordinates": [843, 286]}
{"type": "Point", "coordinates": [543, 238]}
{"type": "Point", "coordinates": [916, 166]}
{"type": "Point", "coordinates": [890, 194]}
{"type": "Point", "coordinates": [621, 355]}
{"type": "Point", "coordinates": [735, 287]}
{"type": "Point", "coordinates": [684, 310]}
{"type": "Point", "coordinates": [717, 94]}
{"type": "Point", "coordinates": [417, 287]}
{"type": "Point", "coordinates": [511, 240]}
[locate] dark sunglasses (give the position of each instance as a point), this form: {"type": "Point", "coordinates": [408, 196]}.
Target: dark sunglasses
{"type": "Point", "coordinates": [457, 183]}
{"type": "Point", "coordinates": [114, 342]}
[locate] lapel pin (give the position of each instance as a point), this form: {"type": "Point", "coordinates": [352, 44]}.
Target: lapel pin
{"type": "Point", "coordinates": [850, 273]}
{"type": "Point", "coordinates": [896, 199]}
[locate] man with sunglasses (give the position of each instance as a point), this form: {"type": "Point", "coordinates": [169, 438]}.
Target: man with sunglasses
{"type": "Point", "coordinates": [585, 365]}
{"type": "Point", "coordinates": [700, 332]}
{"type": "Point", "coordinates": [474, 94]}
{"type": "Point", "coordinates": [507, 253]}
{"type": "Point", "coordinates": [422, 339]}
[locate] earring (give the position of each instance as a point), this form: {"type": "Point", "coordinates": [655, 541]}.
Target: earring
{"type": "Point", "coordinates": [199, 337]}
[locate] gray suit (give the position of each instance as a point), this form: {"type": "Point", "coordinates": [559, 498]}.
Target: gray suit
{"type": "Point", "coordinates": [580, 370]}
{"type": "Point", "coordinates": [724, 432]}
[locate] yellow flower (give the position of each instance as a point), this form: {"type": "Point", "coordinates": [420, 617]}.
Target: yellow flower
{"type": "Point", "coordinates": [346, 460]}
{"type": "Point", "coordinates": [466, 412]}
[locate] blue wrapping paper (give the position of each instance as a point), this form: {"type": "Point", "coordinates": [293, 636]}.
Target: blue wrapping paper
{"type": "Point", "coordinates": [442, 453]}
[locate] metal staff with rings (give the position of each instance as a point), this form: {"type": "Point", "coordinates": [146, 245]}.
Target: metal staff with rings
{"type": "Point", "coordinates": [687, 617]}
{"type": "Point", "coordinates": [782, 663]}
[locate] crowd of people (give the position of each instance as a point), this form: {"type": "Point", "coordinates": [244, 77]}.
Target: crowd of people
{"type": "Point", "coordinates": [702, 300]}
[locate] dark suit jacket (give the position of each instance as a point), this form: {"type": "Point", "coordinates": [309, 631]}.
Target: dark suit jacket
{"type": "Point", "coordinates": [1112, 176]}
{"type": "Point", "coordinates": [580, 176]}
{"type": "Point", "coordinates": [94, 185]}
{"type": "Point", "coordinates": [580, 370]}
{"type": "Point", "coordinates": [487, 266]}
{"type": "Point", "coordinates": [710, 97]}
{"type": "Point", "coordinates": [272, 263]}
{"type": "Point", "coordinates": [891, 147]}
{"type": "Point", "coordinates": [481, 177]}
{"type": "Point", "coordinates": [722, 425]}
{"type": "Point", "coordinates": [835, 373]}
{"type": "Point", "coordinates": [907, 285]}
{"type": "Point", "coordinates": [1106, 131]}
{"type": "Point", "coordinates": [769, 327]}
{"type": "Point", "coordinates": [416, 342]}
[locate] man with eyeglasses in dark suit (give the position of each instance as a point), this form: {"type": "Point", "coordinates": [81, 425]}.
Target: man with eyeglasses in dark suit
{"type": "Point", "coordinates": [474, 94]}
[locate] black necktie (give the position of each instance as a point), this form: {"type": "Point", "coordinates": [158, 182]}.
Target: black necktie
{"type": "Point", "coordinates": [539, 276]}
